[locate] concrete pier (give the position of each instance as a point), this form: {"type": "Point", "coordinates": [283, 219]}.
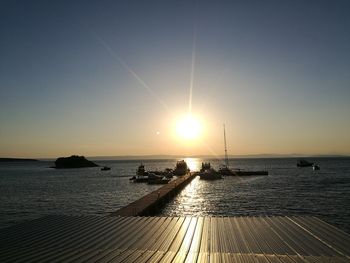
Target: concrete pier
{"type": "Point", "coordinates": [150, 204]}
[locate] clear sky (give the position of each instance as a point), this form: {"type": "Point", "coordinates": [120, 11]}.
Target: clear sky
{"type": "Point", "coordinates": [114, 77]}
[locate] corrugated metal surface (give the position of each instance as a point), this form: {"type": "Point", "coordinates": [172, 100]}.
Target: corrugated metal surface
{"type": "Point", "coordinates": [174, 239]}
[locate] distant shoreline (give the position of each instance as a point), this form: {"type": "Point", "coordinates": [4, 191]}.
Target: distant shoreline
{"type": "Point", "coordinates": [18, 160]}
{"type": "Point", "coordinates": [172, 157]}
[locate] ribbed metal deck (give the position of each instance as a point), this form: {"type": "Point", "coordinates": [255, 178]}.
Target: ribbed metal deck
{"type": "Point", "coordinates": [174, 239]}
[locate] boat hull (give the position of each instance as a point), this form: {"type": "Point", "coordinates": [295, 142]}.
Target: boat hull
{"type": "Point", "coordinates": [140, 180]}
{"type": "Point", "coordinates": [158, 181]}
{"type": "Point", "coordinates": [210, 178]}
{"type": "Point", "coordinates": [229, 172]}
{"type": "Point", "coordinates": [210, 174]}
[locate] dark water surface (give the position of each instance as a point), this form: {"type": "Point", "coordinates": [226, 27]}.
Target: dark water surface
{"type": "Point", "coordinates": [31, 190]}
{"type": "Point", "coordinates": [288, 190]}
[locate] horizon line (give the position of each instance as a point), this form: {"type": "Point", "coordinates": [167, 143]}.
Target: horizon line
{"type": "Point", "coordinates": [177, 156]}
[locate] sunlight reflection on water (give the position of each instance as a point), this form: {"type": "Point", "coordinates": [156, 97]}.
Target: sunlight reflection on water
{"type": "Point", "coordinates": [193, 163]}
{"type": "Point", "coordinates": [288, 190]}
{"type": "Point", "coordinates": [31, 190]}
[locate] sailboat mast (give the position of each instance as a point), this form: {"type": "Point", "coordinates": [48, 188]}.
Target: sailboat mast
{"type": "Point", "coordinates": [226, 158]}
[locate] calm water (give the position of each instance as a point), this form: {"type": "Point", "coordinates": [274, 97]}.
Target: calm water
{"type": "Point", "coordinates": [31, 190]}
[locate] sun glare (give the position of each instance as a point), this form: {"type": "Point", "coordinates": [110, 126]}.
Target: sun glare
{"type": "Point", "coordinates": [188, 127]}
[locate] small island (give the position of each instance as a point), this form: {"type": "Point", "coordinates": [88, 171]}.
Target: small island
{"type": "Point", "coordinates": [73, 161]}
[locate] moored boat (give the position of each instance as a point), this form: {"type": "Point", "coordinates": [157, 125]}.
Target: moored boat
{"type": "Point", "coordinates": [225, 170]}
{"type": "Point", "coordinates": [141, 175]}
{"type": "Point", "coordinates": [157, 179]}
{"type": "Point", "coordinates": [239, 172]}
{"type": "Point", "coordinates": [205, 166]}
{"type": "Point", "coordinates": [181, 168]}
{"type": "Point", "coordinates": [105, 168]}
{"type": "Point", "coordinates": [210, 174]}
{"type": "Point", "coordinates": [141, 170]}
{"type": "Point", "coordinates": [168, 173]}
{"type": "Point", "coordinates": [152, 177]}
{"type": "Point", "coordinates": [140, 179]}
{"type": "Point", "coordinates": [315, 167]}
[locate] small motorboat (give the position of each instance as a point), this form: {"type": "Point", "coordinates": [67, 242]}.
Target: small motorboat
{"type": "Point", "coordinates": [105, 168]}
{"type": "Point", "coordinates": [141, 175]}
{"type": "Point", "coordinates": [139, 179]}
{"type": "Point", "coordinates": [315, 167]}
{"type": "Point", "coordinates": [304, 163]}
{"type": "Point", "coordinates": [141, 170]}
{"type": "Point", "coordinates": [157, 179]}
{"type": "Point", "coordinates": [167, 173]}
{"type": "Point", "coordinates": [152, 177]}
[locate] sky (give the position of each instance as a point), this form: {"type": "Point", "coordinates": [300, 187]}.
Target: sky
{"type": "Point", "coordinates": [107, 78]}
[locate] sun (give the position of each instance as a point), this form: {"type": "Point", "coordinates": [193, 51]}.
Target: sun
{"type": "Point", "coordinates": [189, 127]}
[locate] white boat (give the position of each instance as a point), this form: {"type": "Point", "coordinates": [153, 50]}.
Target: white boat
{"type": "Point", "coordinates": [152, 177]}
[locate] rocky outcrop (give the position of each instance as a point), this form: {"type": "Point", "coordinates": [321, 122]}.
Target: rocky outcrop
{"type": "Point", "coordinates": [73, 161]}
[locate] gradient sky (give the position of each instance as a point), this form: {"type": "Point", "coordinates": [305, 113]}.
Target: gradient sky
{"type": "Point", "coordinates": [276, 72]}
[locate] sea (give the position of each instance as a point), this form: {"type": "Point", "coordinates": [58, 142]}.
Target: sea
{"type": "Point", "coordinates": [30, 190]}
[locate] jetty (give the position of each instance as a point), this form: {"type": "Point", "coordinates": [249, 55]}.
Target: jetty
{"type": "Point", "coordinates": [263, 239]}
{"type": "Point", "coordinates": [151, 204]}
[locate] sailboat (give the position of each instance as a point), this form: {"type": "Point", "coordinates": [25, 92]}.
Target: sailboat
{"type": "Point", "coordinates": [225, 170]}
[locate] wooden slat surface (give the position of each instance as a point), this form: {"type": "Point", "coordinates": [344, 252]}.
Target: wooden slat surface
{"type": "Point", "coordinates": [174, 239]}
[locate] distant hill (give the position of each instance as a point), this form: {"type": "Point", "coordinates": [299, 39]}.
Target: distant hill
{"type": "Point", "coordinates": [17, 160]}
